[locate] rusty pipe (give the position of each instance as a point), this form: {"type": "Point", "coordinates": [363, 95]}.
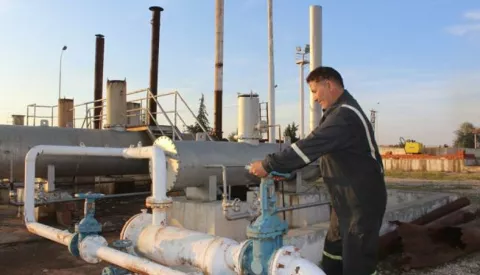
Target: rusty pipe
{"type": "Point", "coordinates": [98, 81]}
{"type": "Point", "coordinates": [390, 241]}
{"type": "Point", "coordinates": [155, 45]}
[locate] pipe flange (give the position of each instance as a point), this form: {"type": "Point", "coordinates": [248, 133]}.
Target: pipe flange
{"type": "Point", "coordinates": [282, 258]}
{"type": "Point", "coordinates": [87, 250]}
{"type": "Point", "coordinates": [151, 202]}
{"type": "Point", "coordinates": [244, 256]}
{"type": "Point", "coordinates": [73, 245]}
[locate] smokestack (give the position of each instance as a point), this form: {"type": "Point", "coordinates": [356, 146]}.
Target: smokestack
{"type": "Point", "coordinates": [218, 94]}
{"type": "Point", "coordinates": [154, 61]}
{"type": "Point", "coordinates": [271, 76]}
{"type": "Point", "coordinates": [98, 84]}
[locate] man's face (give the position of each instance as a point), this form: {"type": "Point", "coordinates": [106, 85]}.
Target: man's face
{"type": "Point", "coordinates": [321, 92]}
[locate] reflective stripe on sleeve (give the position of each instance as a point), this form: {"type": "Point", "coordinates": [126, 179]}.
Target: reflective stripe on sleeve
{"type": "Point", "coordinates": [300, 153]}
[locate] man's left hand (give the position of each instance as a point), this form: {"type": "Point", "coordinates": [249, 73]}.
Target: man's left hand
{"type": "Point", "coordinates": [256, 168]}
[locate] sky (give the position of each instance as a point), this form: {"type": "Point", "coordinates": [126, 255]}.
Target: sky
{"type": "Point", "coordinates": [416, 62]}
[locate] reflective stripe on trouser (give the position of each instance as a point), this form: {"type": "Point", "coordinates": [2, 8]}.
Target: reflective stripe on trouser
{"type": "Point", "coordinates": [332, 263]}
{"type": "Point", "coordinates": [350, 254]}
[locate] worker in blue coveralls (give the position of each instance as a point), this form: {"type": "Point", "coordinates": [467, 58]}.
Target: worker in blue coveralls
{"type": "Point", "coordinates": [352, 169]}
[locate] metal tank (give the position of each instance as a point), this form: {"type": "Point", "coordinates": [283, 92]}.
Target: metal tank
{"type": "Point", "coordinates": [187, 161]}
{"type": "Point", "coordinates": [16, 141]}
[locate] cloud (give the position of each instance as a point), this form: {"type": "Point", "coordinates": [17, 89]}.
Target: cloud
{"type": "Point", "coordinates": [463, 30]}
{"type": "Point", "coordinates": [467, 28]}
{"type": "Point", "coordinates": [472, 15]}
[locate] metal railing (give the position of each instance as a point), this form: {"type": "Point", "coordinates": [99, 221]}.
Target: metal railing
{"type": "Point", "coordinates": [33, 114]}
{"type": "Point", "coordinates": [138, 113]}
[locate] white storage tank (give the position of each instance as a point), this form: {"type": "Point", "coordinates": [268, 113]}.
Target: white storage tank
{"type": "Point", "coordinates": [249, 118]}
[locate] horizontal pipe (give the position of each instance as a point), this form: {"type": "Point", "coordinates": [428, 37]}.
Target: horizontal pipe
{"type": "Point", "coordinates": [92, 249]}
{"type": "Point", "coordinates": [48, 232]}
{"type": "Point", "coordinates": [247, 215]}
{"type": "Point", "coordinates": [300, 206]}
{"type": "Point", "coordinates": [16, 203]}
{"type": "Point", "coordinates": [390, 242]}
{"type": "Point", "coordinates": [173, 246]}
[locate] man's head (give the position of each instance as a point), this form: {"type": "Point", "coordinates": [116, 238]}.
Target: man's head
{"type": "Point", "coordinates": [326, 84]}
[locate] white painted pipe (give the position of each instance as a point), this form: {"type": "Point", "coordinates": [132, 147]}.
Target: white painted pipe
{"type": "Point", "coordinates": [173, 246]}
{"type": "Point", "coordinates": [51, 233]}
{"type": "Point", "coordinates": [287, 260]}
{"type": "Point", "coordinates": [95, 248]}
{"type": "Point", "coordinates": [315, 59]}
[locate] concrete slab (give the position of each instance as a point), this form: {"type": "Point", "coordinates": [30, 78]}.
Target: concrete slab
{"type": "Point", "coordinates": [309, 226]}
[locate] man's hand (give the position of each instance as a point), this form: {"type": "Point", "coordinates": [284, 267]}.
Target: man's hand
{"type": "Point", "coordinates": [256, 168]}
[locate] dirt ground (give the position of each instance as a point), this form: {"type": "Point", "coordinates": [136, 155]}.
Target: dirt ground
{"type": "Point", "coordinates": [38, 256]}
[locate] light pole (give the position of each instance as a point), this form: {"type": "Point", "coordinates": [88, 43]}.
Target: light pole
{"type": "Point", "coordinates": [60, 73]}
{"type": "Point", "coordinates": [302, 62]}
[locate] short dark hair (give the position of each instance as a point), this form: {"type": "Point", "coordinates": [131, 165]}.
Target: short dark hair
{"type": "Point", "coordinates": [325, 73]}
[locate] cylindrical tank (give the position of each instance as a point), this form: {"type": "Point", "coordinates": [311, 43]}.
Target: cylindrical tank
{"type": "Point", "coordinates": [65, 113]}
{"type": "Point", "coordinates": [116, 103]}
{"type": "Point", "coordinates": [18, 120]}
{"type": "Point", "coordinates": [16, 141]}
{"type": "Point", "coordinates": [248, 118]}
{"type": "Point", "coordinates": [187, 161]}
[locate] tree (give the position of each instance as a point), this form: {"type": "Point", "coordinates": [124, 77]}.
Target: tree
{"type": "Point", "coordinates": [202, 117]}
{"type": "Point", "coordinates": [464, 137]}
{"type": "Point", "coordinates": [291, 131]}
{"type": "Point", "coordinates": [231, 136]}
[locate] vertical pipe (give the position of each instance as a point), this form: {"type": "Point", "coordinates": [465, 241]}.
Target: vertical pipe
{"type": "Point", "coordinates": [175, 116]}
{"type": "Point", "coordinates": [271, 75]}
{"type": "Point", "coordinates": [315, 58]}
{"type": "Point", "coordinates": [98, 82]}
{"type": "Point", "coordinates": [218, 97]}
{"type": "Point", "coordinates": [155, 44]}
{"type": "Point", "coordinates": [302, 100]}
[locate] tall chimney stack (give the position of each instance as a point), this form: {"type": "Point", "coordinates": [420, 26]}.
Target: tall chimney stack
{"type": "Point", "coordinates": [154, 61]}
{"type": "Point", "coordinates": [98, 83]}
{"type": "Point", "coordinates": [218, 94]}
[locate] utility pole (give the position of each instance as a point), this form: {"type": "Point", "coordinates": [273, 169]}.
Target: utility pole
{"type": "Point", "coordinates": [302, 62]}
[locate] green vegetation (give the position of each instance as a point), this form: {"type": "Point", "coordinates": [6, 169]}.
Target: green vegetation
{"type": "Point", "coordinates": [465, 137]}
{"type": "Point", "coordinates": [291, 131]}
{"type": "Point", "coordinates": [202, 117]}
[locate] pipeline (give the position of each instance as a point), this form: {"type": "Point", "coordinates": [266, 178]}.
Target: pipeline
{"type": "Point", "coordinates": [226, 204]}
{"type": "Point", "coordinates": [151, 236]}
{"type": "Point", "coordinates": [113, 196]}
{"type": "Point", "coordinates": [89, 246]}
{"type": "Point", "coordinates": [390, 241]}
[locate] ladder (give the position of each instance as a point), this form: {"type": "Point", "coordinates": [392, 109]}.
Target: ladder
{"type": "Point", "coordinates": [264, 114]}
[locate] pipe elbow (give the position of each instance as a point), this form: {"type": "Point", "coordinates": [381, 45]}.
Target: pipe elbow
{"type": "Point", "coordinates": [33, 153]}
{"type": "Point", "coordinates": [287, 260]}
